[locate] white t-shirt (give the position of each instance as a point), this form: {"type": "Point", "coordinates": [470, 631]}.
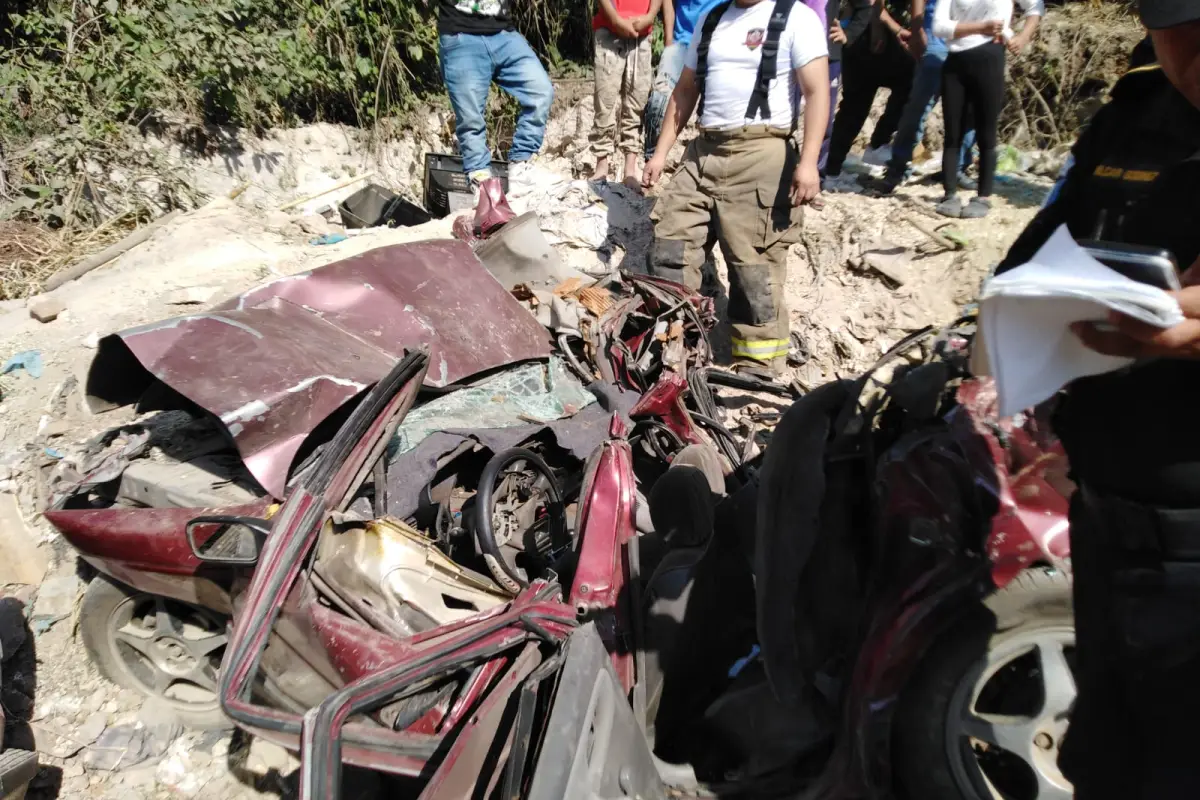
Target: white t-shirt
{"type": "Point", "coordinates": [735, 53]}
{"type": "Point", "coordinates": [949, 13]}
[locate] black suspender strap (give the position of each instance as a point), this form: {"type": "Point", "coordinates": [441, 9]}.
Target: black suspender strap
{"type": "Point", "coordinates": [706, 32]}
{"type": "Point", "coordinates": [770, 61]}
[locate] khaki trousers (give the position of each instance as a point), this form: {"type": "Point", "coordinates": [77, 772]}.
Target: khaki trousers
{"type": "Point", "coordinates": [733, 189]}
{"type": "Point", "coordinates": [623, 77]}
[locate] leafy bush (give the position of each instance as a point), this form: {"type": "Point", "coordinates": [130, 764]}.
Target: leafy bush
{"type": "Point", "coordinates": [77, 74]}
{"type": "Point", "coordinates": [251, 62]}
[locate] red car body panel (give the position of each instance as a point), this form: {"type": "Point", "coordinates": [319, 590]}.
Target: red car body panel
{"type": "Point", "coordinates": [275, 362]}
{"type": "Point", "coordinates": [664, 400]}
{"type": "Point", "coordinates": [601, 588]}
{"type": "Point", "coordinates": [146, 539]}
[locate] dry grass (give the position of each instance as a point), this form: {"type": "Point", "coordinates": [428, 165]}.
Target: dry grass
{"type": "Point", "coordinates": [1059, 82]}
{"type": "Point", "coordinates": [29, 254]}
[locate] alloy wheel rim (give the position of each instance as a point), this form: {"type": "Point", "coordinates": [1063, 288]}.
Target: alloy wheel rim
{"type": "Point", "coordinates": [972, 735]}
{"type": "Point", "coordinates": [171, 650]}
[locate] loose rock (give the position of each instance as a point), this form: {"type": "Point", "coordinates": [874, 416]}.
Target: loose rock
{"type": "Point", "coordinates": [92, 728]}
{"type": "Point", "coordinates": [129, 745]}
{"type": "Point", "coordinates": [265, 757]}
{"type": "Point", "coordinates": [51, 741]}
{"type": "Point", "coordinates": [56, 600]}
{"type": "Point", "coordinates": [45, 307]}
{"type": "Point", "coordinates": [315, 224]}
{"type": "Point", "coordinates": [21, 559]}
{"type": "Point", "coordinates": [888, 260]}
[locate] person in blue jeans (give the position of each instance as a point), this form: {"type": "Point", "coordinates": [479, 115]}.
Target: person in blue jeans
{"type": "Point", "coordinates": [679, 23]}
{"type": "Point", "coordinates": [478, 44]}
{"type": "Point", "coordinates": [930, 52]}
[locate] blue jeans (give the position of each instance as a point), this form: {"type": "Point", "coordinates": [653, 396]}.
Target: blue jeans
{"type": "Point", "coordinates": [469, 65]}
{"type": "Point", "coordinates": [670, 67]}
{"type": "Point", "coordinates": [926, 89]}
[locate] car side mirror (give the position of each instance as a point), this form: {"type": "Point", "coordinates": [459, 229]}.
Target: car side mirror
{"type": "Point", "coordinates": [229, 540]}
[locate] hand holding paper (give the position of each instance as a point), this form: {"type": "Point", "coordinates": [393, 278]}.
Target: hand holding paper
{"type": "Point", "coordinates": [1135, 340]}
{"type": "Point", "coordinates": [1027, 315]}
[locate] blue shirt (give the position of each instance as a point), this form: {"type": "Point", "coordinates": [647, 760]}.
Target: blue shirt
{"type": "Point", "coordinates": [934, 41]}
{"type": "Point", "coordinates": [687, 14]}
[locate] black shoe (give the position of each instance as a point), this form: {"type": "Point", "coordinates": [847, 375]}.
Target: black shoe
{"type": "Point", "coordinates": [881, 187]}
{"type": "Point", "coordinates": [978, 208]}
{"type": "Point", "coordinates": [755, 369]}
{"type": "Point", "coordinates": [951, 206]}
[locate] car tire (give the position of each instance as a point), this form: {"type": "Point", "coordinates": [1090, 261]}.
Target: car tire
{"type": "Point", "coordinates": [975, 663]}
{"type": "Point", "coordinates": [104, 632]}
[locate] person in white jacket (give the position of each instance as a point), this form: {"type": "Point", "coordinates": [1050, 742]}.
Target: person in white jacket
{"type": "Point", "coordinates": [978, 33]}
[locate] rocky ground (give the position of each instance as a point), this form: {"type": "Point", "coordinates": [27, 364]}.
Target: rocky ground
{"type": "Point", "coordinates": [864, 276]}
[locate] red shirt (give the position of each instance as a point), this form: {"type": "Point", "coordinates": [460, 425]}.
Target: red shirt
{"type": "Point", "coordinates": [627, 9]}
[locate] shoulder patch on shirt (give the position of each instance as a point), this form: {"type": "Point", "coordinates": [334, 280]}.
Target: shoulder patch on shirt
{"type": "Point", "coordinates": [754, 37]}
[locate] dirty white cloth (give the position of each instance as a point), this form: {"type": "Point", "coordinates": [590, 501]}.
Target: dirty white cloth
{"type": "Point", "coordinates": [593, 216]}
{"type": "Point", "coordinates": [734, 55]}
{"type": "Point", "coordinates": [949, 13]}
{"type": "Point", "coordinates": [1025, 341]}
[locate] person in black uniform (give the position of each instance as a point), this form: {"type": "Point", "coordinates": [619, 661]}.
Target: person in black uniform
{"type": "Point", "coordinates": [1133, 437]}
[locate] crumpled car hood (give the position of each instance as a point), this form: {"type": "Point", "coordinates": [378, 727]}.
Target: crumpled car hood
{"type": "Point", "coordinates": [275, 362]}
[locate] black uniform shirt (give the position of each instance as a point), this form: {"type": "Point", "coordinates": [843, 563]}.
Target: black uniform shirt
{"type": "Point", "coordinates": [1136, 179]}
{"type": "Point", "coordinates": [481, 17]}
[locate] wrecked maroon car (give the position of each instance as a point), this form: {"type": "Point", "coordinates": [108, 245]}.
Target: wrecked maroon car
{"type": "Point", "coordinates": [238, 404]}
{"type": "Point", "coordinates": [478, 559]}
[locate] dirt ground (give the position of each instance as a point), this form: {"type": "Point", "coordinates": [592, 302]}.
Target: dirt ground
{"type": "Point", "coordinates": [846, 312]}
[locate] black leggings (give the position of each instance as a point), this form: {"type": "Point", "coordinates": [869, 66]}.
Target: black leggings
{"type": "Point", "coordinates": [863, 74]}
{"type": "Point", "coordinates": [972, 80]}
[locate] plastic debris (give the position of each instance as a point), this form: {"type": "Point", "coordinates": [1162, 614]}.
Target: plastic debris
{"type": "Point", "coordinates": [742, 662]}
{"type": "Point", "coordinates": [28, 360]}
{"type": "Point", "coordinates": [329, 238]}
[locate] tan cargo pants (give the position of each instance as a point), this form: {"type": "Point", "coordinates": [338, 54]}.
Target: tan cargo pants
{"type": "Point", "coordinates": [733, 188]}
{"type": "Point", "coordinates": [623, 77]}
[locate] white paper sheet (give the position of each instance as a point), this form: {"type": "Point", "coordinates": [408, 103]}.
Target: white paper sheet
{"type": "Point", "coordinates": [1025, 317]}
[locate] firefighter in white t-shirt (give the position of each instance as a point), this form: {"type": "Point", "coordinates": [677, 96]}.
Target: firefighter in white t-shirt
{"type": "Point", "coordinates": [742, 182]}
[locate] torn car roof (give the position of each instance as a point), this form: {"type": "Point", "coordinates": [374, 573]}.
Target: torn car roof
{"type": "Point", "coordinates": [276, 361]}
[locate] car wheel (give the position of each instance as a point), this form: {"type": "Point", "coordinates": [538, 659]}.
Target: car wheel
{"type": "Point", "coordinates": [165, 649]}
{"type": "Point", "coordinates": [985, 714]}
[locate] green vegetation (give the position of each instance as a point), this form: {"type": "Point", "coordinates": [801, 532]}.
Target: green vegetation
{"type": "Point", "coordinates": [81, 76]}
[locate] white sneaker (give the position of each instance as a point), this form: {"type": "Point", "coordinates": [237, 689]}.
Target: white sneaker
{"type": "Point", "coordinates": [842, 182]}
{"type": "Point", "coordinates": [878, 156]}
{"type": "Point", "coordinates": [522, 179]}
{"type": "Point", "coordinates": [519, 170]}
